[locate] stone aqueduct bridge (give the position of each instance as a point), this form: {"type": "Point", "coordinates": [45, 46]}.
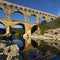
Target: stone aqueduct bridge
{"type": "Point", "coordinates": [10, 8]}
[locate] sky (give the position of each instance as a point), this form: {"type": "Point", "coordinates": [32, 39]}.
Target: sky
{"type": "Point", "coordinates": [50, 6]}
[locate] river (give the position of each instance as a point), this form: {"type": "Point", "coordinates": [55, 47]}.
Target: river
{"type": "Point", "coordinates": [33, 52]}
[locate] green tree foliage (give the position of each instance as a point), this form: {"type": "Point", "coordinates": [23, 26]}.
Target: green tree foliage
{"type": "Point", "coordinates": [49, 25]}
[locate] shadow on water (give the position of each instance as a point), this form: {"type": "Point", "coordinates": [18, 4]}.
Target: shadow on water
{"type": "Point", "coordinates": [54, 58]}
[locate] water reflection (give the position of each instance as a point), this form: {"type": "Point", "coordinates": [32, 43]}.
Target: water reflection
{"type": "Point", "coordinates": [18, 42]}
{"type": "Point", "coordinates": [54, 58]}
{"type": "Point", "coordinates": [32, 53]}
{"type": "Point", "coordinates": [34, 43]}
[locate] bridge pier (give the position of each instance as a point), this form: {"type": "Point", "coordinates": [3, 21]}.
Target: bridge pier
{"type": "Point", "coordinates": [38, 19]}
{"type": "Point", "coordinates": [47, 19]}
{"type": "Point", "coordinates": [8, 14]}
{"type": "Point", "coordinates": [27, 35]}
{"type": "Point", "coordinates": [7, 30]}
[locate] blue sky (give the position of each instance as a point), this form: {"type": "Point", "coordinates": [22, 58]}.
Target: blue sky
{"type": "Point", "coordinates": [50, 6]}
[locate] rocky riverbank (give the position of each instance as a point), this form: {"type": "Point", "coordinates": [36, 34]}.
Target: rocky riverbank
{"type": "Point", "coordinates": [8, 51]}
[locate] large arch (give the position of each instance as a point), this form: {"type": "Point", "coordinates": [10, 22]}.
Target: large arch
{"type": "Point", "coordinates": [2, 28]}
{"type": "Point", "coordinates": [50, 19]}
{"type": "Point", "coordinates": [2, 14]}
{"type": "Point", "coordinates": [18, 28]}
{"type": "Point", "coordinates": [42, 19]}
{"type": "Point", "coordinates": [17, 16]}
{"type": "Point", "coordinates": [32, 18]}
{"type": "Point", "coordinates": [34, 28]}
{"type": "Point", "coordinates": [34, 43]}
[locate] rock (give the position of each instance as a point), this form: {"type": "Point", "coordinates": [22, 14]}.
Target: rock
{"type": "Point", "coordinates": [11, 51]}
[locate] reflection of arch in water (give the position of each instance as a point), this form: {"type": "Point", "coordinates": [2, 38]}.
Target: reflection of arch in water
{"type": "Point", "coordinates": [2, 13]}
{"type": "Point", "coordinates": [34, 43]}
{"type": "Point", "coordinates": [42, 19]}
{"type": "Point", "coordinates": [2, 28]}
{"type": "Point", "coordinates": [20, 43]}
{"type": "Point", "coordinates": [17, 16]}
{"type": "Point", "coordinates": [34, 28]}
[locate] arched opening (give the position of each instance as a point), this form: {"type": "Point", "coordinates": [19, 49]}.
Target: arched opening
{"type": "Point", "coordinates": [18, 16]}
{"type": "Point", "coordinates": [42, 19]}
{"type": "Point", "coordinates": [2, 29]}
{"type": "Point", "coordinates": [34, 43]}
{"type": "Point", "coordinates": [2, 13]}
{"type": "Point", "coordinates": [32, 19]}
{"type": "Point", "coordinates": [50, 20]}
{"type": "Point", "coordinates": [34, 28]}
{"type": "Point", "coordinates": [18, 30]}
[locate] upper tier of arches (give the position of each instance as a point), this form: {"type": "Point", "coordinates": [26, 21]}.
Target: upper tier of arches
{"type": "Point", "coordinates": [21, 13]}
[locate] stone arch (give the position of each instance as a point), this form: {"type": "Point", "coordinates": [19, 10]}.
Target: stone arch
{"type": "Point", "coordinates": [50, 19]}
{"type": "Point", "coordinates": [2, 13]}
{"type": "Point", "coordinates": [2, 28]}
{"type": "Point", "coordinates": [42, 19]}
{"type": "Point", "coordinates": [32, 18]}
{"type": "Point", "coordinates": [34, 28]}
{"type": "Point", "coordinates": [19, 25]}
{"type": "Point", "coordinates": [19, 16]}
